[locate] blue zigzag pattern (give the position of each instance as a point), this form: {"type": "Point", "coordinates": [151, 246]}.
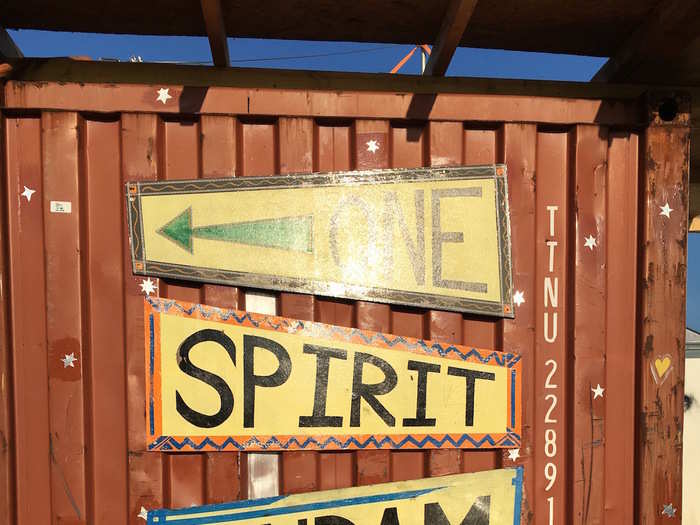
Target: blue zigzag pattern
{"type": "Point", "coordinates": [170, 443]}
{"type": "Point", "coordinates": [502, 359]}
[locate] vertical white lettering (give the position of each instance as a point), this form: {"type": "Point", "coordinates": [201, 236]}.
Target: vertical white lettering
{"type": "Point", "coordinates": [551, 325]}
{"type": "Point", "coordinates": [547, 337]}
{"type": "Point", "coordinates": [551, 293]}
{"type": "Point", "coordinates": [551, 210]}
{"type": "Point", "coordinates": [552, 245]}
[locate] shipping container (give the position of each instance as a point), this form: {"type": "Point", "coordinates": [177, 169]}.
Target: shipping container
{"type": "Point", "coordinates": [597, 178]}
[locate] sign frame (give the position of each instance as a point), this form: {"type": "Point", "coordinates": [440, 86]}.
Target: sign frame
{"type": "Point", "coordinates": [492, 497]}
{"type": "Point", "coordinates": [142, 266]}
{"type": "Point", "coordinates": [157, 440]}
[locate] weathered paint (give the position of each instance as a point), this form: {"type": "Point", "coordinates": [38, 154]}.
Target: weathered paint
{"type": "Point", "coordinates": [662, 309]}
{"type": "Point", "coordinates": [284, 136]}
{"type": "Point", "coordinates": [419, 237]}
{"type": "Point", "coordinates": [232, 380]}
{"type": "Point", "coordinates": [484, 498]}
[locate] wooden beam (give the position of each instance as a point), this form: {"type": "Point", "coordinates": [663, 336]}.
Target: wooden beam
{"type": "Point", "coordinates": [661, 311]}
{"type": "Point", "coordinates": [455, 21]}
{"type": "Point", "coordinates": [216, 31]}
{"type": "Point", "coordinates": [667, 31]}
{"type": "Point", "coordinates": [8, 48]}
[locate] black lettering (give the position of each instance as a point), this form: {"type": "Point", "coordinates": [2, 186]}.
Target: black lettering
{"type": "Point", "coordinates": [390, 517]}
{"type": "Point", "coordinates": [440, 237]}
{"type": "Point", "coordinates": [361, 390]}
{"type": "Point", "coordinates": [332, 520]}
{"type": "Point", "coordinates": [323, 358]}
{"type": "Point", "coordinates": [471, 377]}
{"type": "Point", "coordinates": [415, 251]}
{"type": "Point", "coordinates": [217, 383]}
{"type": "Point", "coordinates": [423, 370]}
{"type": "Point", "coordinates": [251, 381]}
{"type": "Point", "coordinates": [479, 513]}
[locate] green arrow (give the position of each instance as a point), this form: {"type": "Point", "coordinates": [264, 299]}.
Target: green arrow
{"type": "Point", "coordinates": [286, 233]}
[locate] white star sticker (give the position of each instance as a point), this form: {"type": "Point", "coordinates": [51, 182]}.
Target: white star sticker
{"type": "Point", "coordinates": [69, 360]}
{"type": "Point", "coordinates": [28, 192]}
{"type": "Point", "coordinates": [666, 210]}
{"type": "Point", "coordinates": [519, 297]}
{"type": "Point", "coordinates": [147, 286]}
{"type": "Point", "coordinates": [669, 511]}
{"type": "Point", "coordinates": [591, 242]}
{"type": "Point", "coordinates": [143, 513]}
{"type": "Point", "coordinates": [163, 95]}
{"type": "Point", "coordinates": [514, 454]}
{"type": "Point", "coordinates": [597, 391]}
{"type": "Point", "coordinates": [372, 146]}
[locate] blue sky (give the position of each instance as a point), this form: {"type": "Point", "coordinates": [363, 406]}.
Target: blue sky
{"type": "Point", "coordinates": [336, 56]}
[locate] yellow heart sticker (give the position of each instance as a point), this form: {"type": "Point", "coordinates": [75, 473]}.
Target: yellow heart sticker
{"type": "Point", "coordinates": [661, 368]}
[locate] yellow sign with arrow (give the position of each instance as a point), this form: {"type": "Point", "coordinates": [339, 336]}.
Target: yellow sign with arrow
{"type": "Point", "coordinates": [430, 237]}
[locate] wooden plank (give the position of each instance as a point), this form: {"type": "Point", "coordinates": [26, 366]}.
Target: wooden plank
{"type": "Point", "coordinates": [454, 23]}
{"type": "Point", "coordinates": [104, 275]}
{"type": "Point", "coordinates": [65, 309]}
{"type": "Point", "coordinates": [519, 333]}
{"type": "Point", "coordinates": [258, 153]}
{"type": "Point", "coordinates": [179, 140]}
{"type": "Point", "coordinates": [482, 146]}
{"type": "Point", "coordinates": [621, 315]}
{"type": "Point", "coordinates": [216, 31]}
{"type": "Point", "coordinates": [184, 486]}
{"type": "Point", "coordinates": [140, 161]}
{"type": "Point", "coordinates": [28, 320]}
{"type": "Point", "coordinates": [591, 247]}
{"type": "Point", "coordinates": [550, 499]}
{"type": "Point", "coordinates": [372, 466]}
{"type": "Point", "coordinates": [335, 469]}
{"type": "Point", "coordinates": [299, 469]}
{"type": "Point", "coordinates": [332, 144]}
{"type": "Point", "coordinates": [67, 70]}
{"type": "Point", "coordinates": [218, 153]}
{"type": "Point", "coordinates": [662, 313]}
{"type": "Point", "coordinates": [394, 151]}
{"type": "Point", "coordinates": [7, 448]}
{"type": "Point", "coordinates": [263, 469]}
{"type": "Point", "coordinates": [446, 140]}
{"type": "Point", "coordinates": [322, 102]}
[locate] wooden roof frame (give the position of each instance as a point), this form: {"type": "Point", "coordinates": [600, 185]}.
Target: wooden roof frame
{"type": "Point", "coordinates": [216, 32]}
{"type": "Point", "coordinates": [454, 23]}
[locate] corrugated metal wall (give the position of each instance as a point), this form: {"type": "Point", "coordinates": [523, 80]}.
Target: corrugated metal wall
{"type": "Point", "coordinates": [78, 432]}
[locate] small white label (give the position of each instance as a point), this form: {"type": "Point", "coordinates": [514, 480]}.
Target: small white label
{"type": "Point", "coordinates": [60, 206]}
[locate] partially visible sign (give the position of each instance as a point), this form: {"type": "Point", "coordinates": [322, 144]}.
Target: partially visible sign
{"type": "Point", "coordinates": [429, 237]}
{"type": "Point", "coordinates": [229, 380]}
{"type": "Point", "coordinates": [485, 498]}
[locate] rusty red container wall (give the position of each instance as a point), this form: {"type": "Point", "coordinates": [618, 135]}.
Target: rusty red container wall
{"type": "Point", "coordinates": [76, 434]}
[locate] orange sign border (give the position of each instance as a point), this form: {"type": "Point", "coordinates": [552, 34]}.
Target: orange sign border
{"type": "Point", "coordinates": [155, 307]}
